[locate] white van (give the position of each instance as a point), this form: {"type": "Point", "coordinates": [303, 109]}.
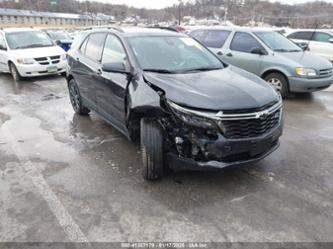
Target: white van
{"type": "Point", "coordinates": [27, 52]}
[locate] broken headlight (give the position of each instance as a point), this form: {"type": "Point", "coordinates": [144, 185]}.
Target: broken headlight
{"type": "Point", "coordinates": [192, 117]}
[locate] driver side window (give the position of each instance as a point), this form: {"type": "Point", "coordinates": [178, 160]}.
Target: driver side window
{"type": "Point", "coordinates": [2, 43]}
{"type": "Point", "coordinates": [114, 51]}
{"type": "Point", "coordinates": [244, 42]}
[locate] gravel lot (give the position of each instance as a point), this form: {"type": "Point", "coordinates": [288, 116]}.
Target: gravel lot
{"type": "Point", "coordinates": [70, 178]}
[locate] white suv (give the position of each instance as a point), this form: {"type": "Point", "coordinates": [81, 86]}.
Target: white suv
{"type": "Point", "coordinates": [320, 41]}
{"type": "Point", "coordinates": [29, 53]}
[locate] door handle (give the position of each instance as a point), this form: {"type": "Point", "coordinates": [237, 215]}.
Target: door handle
{"type": "Point", "coordinates": [219, 53]}
{"type": "Point", "coordinates": [229, 54]}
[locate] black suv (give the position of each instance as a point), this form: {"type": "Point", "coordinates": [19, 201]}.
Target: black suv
{"type": "Point", "coordinates": [187, 107]}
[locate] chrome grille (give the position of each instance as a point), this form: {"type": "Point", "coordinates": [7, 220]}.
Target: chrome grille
{"type": "Point", "coordinates": [248, 128]}
{"type": "Point", "coordinates": [240, 124]}
{"type": "Point", "coordinates": [48, 60]}
{"type": "Point", "coordinates": [326, 72]}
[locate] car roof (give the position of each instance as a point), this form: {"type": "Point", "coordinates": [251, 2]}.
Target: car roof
{"type": "Point", "coordinates": [235, 28]}
{"type": "Point", "coordinates": [136, 31]}
{"type": "Point", "coordinates": [14, 30]}
{"type": "Point", "coordinates": [312, 30]}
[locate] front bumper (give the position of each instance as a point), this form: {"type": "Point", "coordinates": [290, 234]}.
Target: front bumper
{"type": "Point", "coordinates": [40, 70]}
{"type": "Point", "coordinates": [234, 151]}
{"type": "Point", "coordinates": [298, 84]}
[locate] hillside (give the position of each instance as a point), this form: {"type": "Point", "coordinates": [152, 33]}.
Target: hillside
{"type": "Point", "coordinates": [238, 11]}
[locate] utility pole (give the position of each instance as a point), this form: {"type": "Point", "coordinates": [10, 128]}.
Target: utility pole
{"type": "Point", "coordinates": [180, 11]}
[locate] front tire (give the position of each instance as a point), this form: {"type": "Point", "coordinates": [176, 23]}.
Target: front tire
{"type": "Point", "coordinates": [76, 100]}
{"type": "Point", "coordinates": [151, 149]}
{"type": "Point", "coordinates": [14, 72]}
{"type": "Point", "coordinates": [279, 82]}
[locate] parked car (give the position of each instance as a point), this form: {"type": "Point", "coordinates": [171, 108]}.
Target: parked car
{"type": "Point", "coordinates": [319, 42]}
{"type": "Point", "coordinates": [269, 55]}
{"type": "Point", "coordinates": [188, 108]}
{"type": "Point", "coordinates": [61, 38]}
{"type": "Point", "coordinates": [29, 53]}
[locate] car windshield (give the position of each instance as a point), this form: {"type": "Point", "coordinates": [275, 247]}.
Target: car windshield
{"type": "Point", "coordinates": [173, 54]}
{"type": "Point", "coordinates": [28, 39]}
{"type": "Point", "coordinates": [277, 42]}
{"type": "Point", "coordinates": [57, 35]}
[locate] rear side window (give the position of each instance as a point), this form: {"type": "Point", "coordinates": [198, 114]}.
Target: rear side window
{"type": "Point", "coordinates": [94, 47]}
{"type": "Point", "coordinates": [322, 37]}
{"type": "Point", "coordinates": [199, 35]}
{"type": "Point", "coordinates": [304, 35]}
{"type": "Point", "coordinates": [216, 38]}
{"type": "Point", "coordinates": [2, 43]}
{"type": "Point", "coordinates": [244, 42]}
{"type": "Point", "coordinates": [211, 38]}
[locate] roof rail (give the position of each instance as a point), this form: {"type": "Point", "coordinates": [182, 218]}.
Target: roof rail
{"type": "Point", "coordinates": [105, 27]}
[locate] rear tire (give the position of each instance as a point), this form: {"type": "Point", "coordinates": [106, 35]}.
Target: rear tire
{"type": "Point", "coordinates": [151, 149]}
{"type": "Point", "coordinates": [279, 82]}
{"type": "Point", "coordinates": [14, 72]}
{"type": "Point", "coordinates": [75, 98]}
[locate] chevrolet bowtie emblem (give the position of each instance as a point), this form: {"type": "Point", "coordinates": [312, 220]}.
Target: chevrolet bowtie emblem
{"type": "Point", "coordinates": [262, 115]}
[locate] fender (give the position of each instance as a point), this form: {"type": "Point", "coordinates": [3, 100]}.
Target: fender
{"type": "Point", "coordinates": [143, 100]}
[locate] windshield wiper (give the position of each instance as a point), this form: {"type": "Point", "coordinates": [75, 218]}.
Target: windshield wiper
{"type": "Point", "coordinates": [287, 50]}
{"type": "Point", "coordinates": [201, 69]}
{"type": "Point", "coordinates": [32, 46]}
{"type": "Point", "coordinates": [154, 70]}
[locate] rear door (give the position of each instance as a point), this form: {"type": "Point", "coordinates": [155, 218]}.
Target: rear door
{"type": "Point", "coordinates": [112, 86]}
{"type": "Point", "coordinates": [3, 54]}
{"type": "Point", "coordinates": [86, 65]}
{"type": "Point", "coordinates": [239, 52]}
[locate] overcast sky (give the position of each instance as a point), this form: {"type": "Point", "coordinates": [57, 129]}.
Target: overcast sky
{"type": "Point", "coordinates": [157, 4]}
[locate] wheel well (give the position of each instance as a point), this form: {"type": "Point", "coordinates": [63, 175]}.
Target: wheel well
{"type": "Point", "coordinates": [275, 71]}
{"type": "Point", "coordinates": [69, 78]}
{"type": "Point", "coordinates": [10, 62]}
{"type": "Point", "coordinates": [135, 116]}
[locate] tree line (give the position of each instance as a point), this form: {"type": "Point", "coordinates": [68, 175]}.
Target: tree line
{"type": "Point", "coordinates": [312, 14]}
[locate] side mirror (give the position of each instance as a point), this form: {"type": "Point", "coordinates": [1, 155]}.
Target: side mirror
{"type": "Point", "coordinates": [3, 48]}
{"type": "Point", "coordinates": [115, 67]}
{"type": "Point", "coordinates": [303, 46]}
{"type": "Point", "coordinates": [331, 40]}
{"type": "Point", "coordinates": [58, 42]}
{"type": "Point", "coordinates": [259, 51]}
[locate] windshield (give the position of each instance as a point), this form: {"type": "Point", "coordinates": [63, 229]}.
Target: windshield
{"type": "Point", "coordinates": [277, 42]}
{"type": "Point", "coordinates": [28, 39]}
{"type": "Point", "coordinates": [56, 35]}
{"type": "Point", "coordinates": [172, 54]}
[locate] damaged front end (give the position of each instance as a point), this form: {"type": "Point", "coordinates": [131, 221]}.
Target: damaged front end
{"type": "Point", "coordinates": [206, 139]}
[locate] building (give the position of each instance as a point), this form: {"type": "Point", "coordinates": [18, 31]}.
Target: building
{"type": "Point", "coordinates": [15, 17]}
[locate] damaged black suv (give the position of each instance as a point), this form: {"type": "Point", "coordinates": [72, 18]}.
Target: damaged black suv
{"type": "Point", "coordinates": [189, 109]}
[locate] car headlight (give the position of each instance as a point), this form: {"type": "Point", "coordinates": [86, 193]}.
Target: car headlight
{"type": "Point", "coordinates": [192, 118]}
{"type": "Point", "coordinates": [25, 61]}
{"type": "Point", "coordinates": [301, 71]}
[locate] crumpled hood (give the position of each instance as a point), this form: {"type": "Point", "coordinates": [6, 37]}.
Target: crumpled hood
{"type": "Point", "coordinates": [307, 59]}
{"type": "Point", "coordinates": [38, 52]}
{"type": "Point", "coordinates": [227, 89]}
